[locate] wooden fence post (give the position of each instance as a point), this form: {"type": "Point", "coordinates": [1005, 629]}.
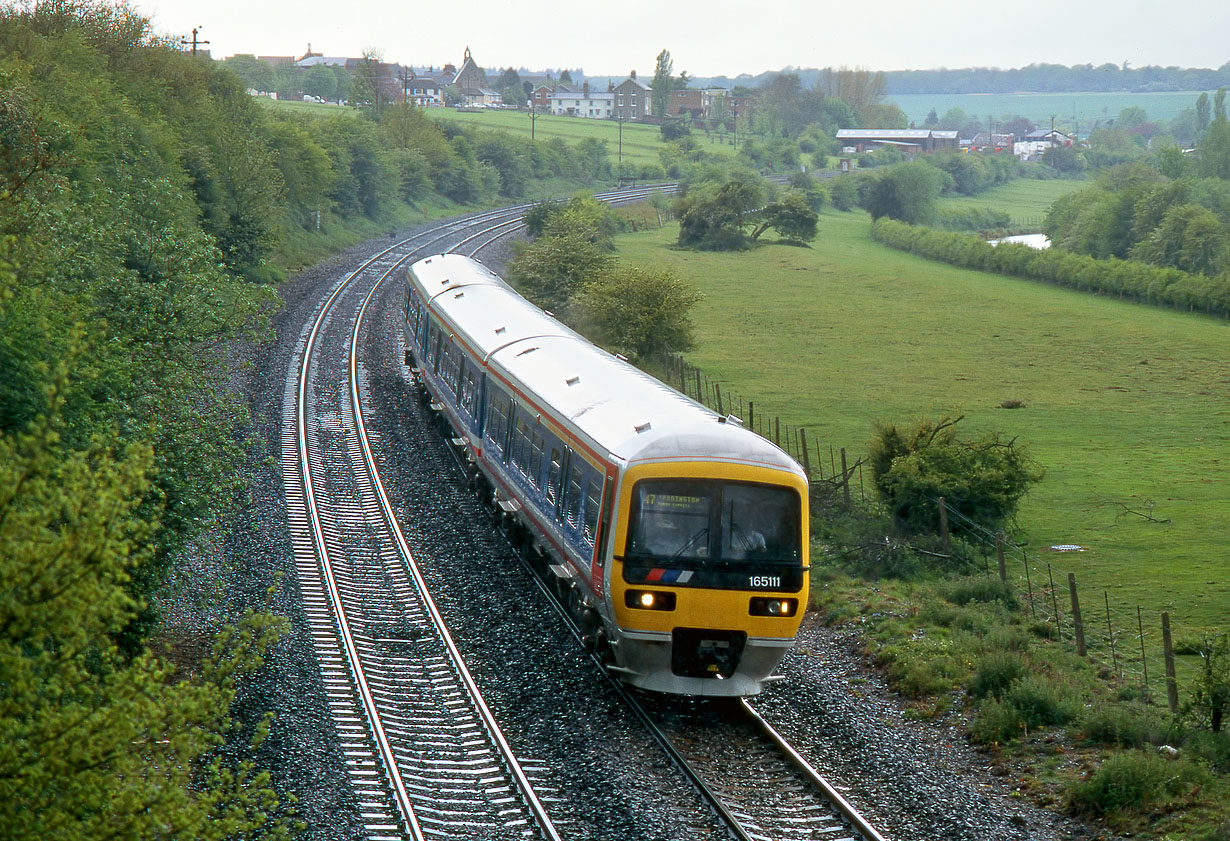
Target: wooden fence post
{"type": "Point", "coordinates": [1033, 610]}
{"type": "Point", "coordinates": [751, 416]}
{"type": "Point", "coordinates": [700, 392]}
{"type": "Point", "coordinates": [999, 554]}
{"type": "Point", "coordinates": [803, 448]}
{"type": "Point", "coordinates": [1050, 573]}
{"type": "Point", "coordinates": [1078, 627]}
{"type": "Point", "coordinates": [1110, 631]}
{"type": "Point", "coordinates": [777, 434]}
{"type": "Point", "coordinates": [1172, 686]}
{"type": "Point", "coordinates": [845, 477]}
{"type": "Point", "coordinates": [717, 390]}
{"type": "Point", "coordinates": [1144, 663]}
{"type": "Point", "coordinates": [944, 535]}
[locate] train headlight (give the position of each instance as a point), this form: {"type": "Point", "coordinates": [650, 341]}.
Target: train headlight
{"type": "Point", "coordinates": [761, 606]}
{"type": "Point", "coordinates": [649, 600]}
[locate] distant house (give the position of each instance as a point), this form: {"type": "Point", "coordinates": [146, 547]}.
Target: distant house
{"type": "Point", "coordinates": [583, 103]}
{"type": "Point", "coordinates": [910, 141]}
{"type": "Point", "coordinates": [540, 96]}
{"type": "Point", "coordinates": [985, 141]}
{"type": "Point", "coordinates": [631, 99]}
{"type": "Point", "coordinates": [1036, 142]}
{"type": "Point", "coordinates": [424, 91]}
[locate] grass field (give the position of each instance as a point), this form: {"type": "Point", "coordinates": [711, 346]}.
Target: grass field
{"type": "Point", "coordinates": [1126, 406]}
{"type": "Point", "coordinates": [640, 142]}
{"type": "Point", "coordinates": [1069, 110]}
{"type": "Point", "coordinates": [1025, 199]}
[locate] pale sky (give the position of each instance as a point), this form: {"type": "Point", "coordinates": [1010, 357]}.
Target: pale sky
{"type": "Point", "coordinates": [717, 37]}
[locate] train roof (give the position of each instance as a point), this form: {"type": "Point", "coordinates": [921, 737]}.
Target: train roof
{"type": "Point", "coordinates": [617, 407]}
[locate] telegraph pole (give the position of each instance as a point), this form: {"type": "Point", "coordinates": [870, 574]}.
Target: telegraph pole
{"type": "Point", "coordinates": [194, 42]}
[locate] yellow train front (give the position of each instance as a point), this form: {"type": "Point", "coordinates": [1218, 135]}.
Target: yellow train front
{"type": "Point", "coordinates": [677, 537]}
{"type": "Point", "coordinates": [708, 580]}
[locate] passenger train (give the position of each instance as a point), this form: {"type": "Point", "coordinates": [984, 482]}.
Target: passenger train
{"type": "Point", "coordinates": [677, 537]}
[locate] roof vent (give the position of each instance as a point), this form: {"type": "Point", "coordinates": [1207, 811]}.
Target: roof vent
{"type": "Point", "coordinates": [731, 419]}
{"type": "Point", "coordinates": [644, 427]}
{"type": "Point", "coordinates": [459, 295]}
{"type": "Point", "coordinates": [500, 330]}
{"type": "Point", "coordinates": [572, 380]}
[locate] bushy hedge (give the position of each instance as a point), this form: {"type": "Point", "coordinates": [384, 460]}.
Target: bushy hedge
{"type": "Point", "coordinates": [1126, 278]}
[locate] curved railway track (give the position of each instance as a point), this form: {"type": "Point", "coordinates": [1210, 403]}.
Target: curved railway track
{"type": "Point", "coordinates": [424, 754]}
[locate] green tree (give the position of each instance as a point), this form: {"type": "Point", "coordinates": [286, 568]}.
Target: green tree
{"type": "Point", "coordinates": [913, 466]}
{"type": "Point", "coordinates": [791, 216]}
{"type": "Point", "coordinates": [660, 95]}
{"type": "Point", "coordinates": [94, 742]}
{"type": "Point", "coordinates": [907, 192]}
{"type": "Point", "coordinates": [1211, 693]}
{"type": "Point", "coordinates": [674, 128]}
{"type": "Point", "coordinates": [1203, 113]}
{"type": "Point", "coordinates": [1215, 150]}
{"type": "Point", "coordinates": [637, 313]}
{"type": "Point", "coordinates": [320, 81]}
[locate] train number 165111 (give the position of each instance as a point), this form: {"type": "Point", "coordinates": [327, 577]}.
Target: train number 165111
{"type": "Point", "coordinates": [772, 581]}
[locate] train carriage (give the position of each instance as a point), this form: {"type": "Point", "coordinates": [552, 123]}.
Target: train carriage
{"type": "Point", "coordinates": [679, 537]}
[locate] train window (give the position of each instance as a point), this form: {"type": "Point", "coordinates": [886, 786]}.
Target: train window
{"type": "Point", "coordinates": [759, 522]}
{"type": "Point", "coordinates": [450, 365]}
{"type": "Point", "coordinates": [497, 421]}
{"type": "Point", "coordinates": [696, 519]}
{"type": "Point", "coordinates": [521, 445]}
{"type": "Point", "coordinates": [537, 445]}
{"type": "Point", "coordinates": [555, 474]}
{"type": "Point", "coordinates": [593, 501]}
{"type": "Point", "coordinates": [469, 392]}
{"type": "Point", "coordinates": [433, 345]}
{"type": "Point", "coordinates": [576, 479]}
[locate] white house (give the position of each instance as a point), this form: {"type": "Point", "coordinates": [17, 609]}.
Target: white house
{"type": "Point", "coordinates": [582, 103]}
{"type": "Point", "coordinates": [1037, 142]}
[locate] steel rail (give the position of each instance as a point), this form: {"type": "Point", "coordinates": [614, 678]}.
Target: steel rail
{"type": "Point", "coordinates": [492, 726]}
{"type": "Point", "coordinates": [852, 816]}
{"type": "Point", "coordinates": [400, 795]}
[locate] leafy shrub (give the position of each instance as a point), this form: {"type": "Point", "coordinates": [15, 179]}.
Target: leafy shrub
{"type": "Point", "coordinates": [1213, 747]}
{"type": "Point", "coordinates": [1041, 702]}
{"type": "Point", "coordinates": [995, 673]}
{"type": "Point", "coordinates": [981, 589]}
{"type": "Point", "coordinates": [998, 722]}
{"type": "Point", "coordinates": [1131, 726]}
{"type": "Point", "coordinates": [1133, 780]}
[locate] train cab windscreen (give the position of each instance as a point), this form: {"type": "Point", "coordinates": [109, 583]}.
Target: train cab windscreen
{"type": "Point", "coordinates": [708, 533]}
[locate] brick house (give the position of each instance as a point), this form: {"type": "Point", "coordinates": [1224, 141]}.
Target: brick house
{"type": "Point", "coordinates": [631, 99]}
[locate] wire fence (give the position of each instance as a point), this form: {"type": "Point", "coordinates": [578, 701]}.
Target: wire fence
{"type": "Point", "coordinates": [1125, 644]}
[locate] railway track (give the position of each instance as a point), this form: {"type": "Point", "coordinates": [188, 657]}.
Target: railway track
{"type": "Point", "coordinates": [424, 754]}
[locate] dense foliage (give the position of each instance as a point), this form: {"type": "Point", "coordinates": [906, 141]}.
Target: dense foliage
{"type": "Point", "coordinates": [914, 466]}
{"type": "Point", "coordinates": [570, 270]}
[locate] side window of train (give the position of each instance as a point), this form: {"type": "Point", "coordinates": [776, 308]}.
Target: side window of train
{"type": "Point", "coordinates": [537, 445]}
{"type": "Point", "coordinates": [554, 474]}
{"type": "Point", "coordinates": [497, 422]}
{"type": "Point", "coordinates": [521, 444]}
{"type": "Point", "coordinates": [576, 486]}
{"type": "Point", "coordinates": [469, 392]}
{"type": "Point", "coordinates": [593, 502]}
{"type": "Point", "coordinates": [433, 347]}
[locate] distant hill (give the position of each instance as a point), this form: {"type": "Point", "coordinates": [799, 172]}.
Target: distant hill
{"type": "Point", "coordinates": [1036, 78]}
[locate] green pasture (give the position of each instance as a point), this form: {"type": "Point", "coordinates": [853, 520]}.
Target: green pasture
{"type": "Point", "coordinates": [640, 142]}
{"type": "Point", "coordinates": [1126, 406]}
{"type": "Point", "coordinates": [1069, 110]}
{"type": "Point", "coordinates": [1026, 199]}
